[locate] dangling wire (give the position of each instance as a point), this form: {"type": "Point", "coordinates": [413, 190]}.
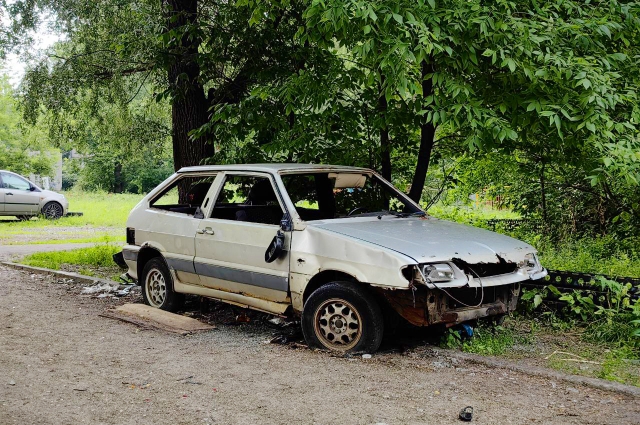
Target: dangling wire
{"type": "Point", "coordinates": [451, 296]}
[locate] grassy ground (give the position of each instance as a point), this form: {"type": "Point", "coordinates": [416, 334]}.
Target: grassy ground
{"type": "Point", "coordinates": [93, 261]}
{"type": "Point", "coordinates": [553, 344]}
{"type": "Point", "coordinates": [104, 220]}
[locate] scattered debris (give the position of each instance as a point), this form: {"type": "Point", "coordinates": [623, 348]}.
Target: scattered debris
{"type": "Point", "coordinates": [278, 321]}
{"type": "Point", "coordinates": [466, 414]}
{"type": "Point", "coordinates": [188, 380]}
{"type": "Point", "coordinates": [242, 318]}
{"type": "Point", "coordinates": [100, 288]}
{"type": "Point", "coordinates": [107, 289]}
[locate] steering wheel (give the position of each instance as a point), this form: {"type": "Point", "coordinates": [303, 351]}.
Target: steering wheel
{"type": "Point", "coordinates": [356, 209]}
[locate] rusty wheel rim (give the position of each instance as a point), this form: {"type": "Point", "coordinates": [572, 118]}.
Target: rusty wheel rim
{"type": "Point", "coordinates": [155, 288]}
{"type": "Point", "coordinates": [338, 325]}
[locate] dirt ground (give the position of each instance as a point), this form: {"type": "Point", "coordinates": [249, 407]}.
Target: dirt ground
{"type": "Point", "coordinates": [61, 363]}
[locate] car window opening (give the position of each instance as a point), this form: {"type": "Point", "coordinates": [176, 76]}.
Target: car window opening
{"type": "Point", "coordinates": [323, 196]}
{"type": "Point", "coordinates": [248, 198]}
{"type": "Point", "coordinates": [195, 190]}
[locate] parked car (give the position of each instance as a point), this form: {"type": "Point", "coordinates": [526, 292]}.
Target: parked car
{"type": "Point", "coordinates": [23, 199]}
{"type": "Point", "coordinates": [339, 247]}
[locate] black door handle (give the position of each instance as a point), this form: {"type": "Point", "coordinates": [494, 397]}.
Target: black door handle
{"type": "Point", "coordinates": [9, 193]}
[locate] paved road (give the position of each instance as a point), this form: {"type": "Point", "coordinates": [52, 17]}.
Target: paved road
{"type": "Point", "coordinates": [61, 363]}
{"type": "Point", "coordinates": [7, 252]}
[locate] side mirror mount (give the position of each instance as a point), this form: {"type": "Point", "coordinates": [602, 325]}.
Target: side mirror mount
{"type": "Point", "coordinates": [276, 248]}
{"type": "Point", "coordinates": [32, 188]}
{"type": "Point", "coordinates": [285, 223]}
{"type": "Point", "coordinates": [198, 213]}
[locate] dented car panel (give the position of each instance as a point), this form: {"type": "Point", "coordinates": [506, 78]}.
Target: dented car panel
{"type": "Point", "coordinates": [428, 270]}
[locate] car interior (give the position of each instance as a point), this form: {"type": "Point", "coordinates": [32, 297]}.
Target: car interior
{"type": "Point", "coordinates": [259, 205]}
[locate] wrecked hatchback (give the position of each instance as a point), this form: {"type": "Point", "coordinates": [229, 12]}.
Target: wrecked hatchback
{"type": "Point", "coordinates": [338, 247]}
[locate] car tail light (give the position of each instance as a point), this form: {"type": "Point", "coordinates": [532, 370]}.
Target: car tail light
{"type": "Point", "coordinates": [131, 236]}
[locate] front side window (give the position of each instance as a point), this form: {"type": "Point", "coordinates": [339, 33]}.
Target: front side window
{"type": "Point", "coordinates": [248, 198]}
{"type": "Point", "coordinates": [324, 196]}
{"type": "Point", "coordinates": [9, 181]}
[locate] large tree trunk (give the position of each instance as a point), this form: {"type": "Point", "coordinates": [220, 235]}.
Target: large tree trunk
{"type": "Point", "coordinates": [385, 145]}
{"type": "Point", "coordinates": [427, 134]}
{"type": "Point", "coordinates": [118, 181]}
{"type": "Point", "coordinates": [189, 109]}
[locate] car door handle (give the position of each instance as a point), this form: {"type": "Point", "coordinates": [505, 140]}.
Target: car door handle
{"type": "Point", "coordinates": [9, 193]}
{"type": "Point", "coordinates": [205, 231]}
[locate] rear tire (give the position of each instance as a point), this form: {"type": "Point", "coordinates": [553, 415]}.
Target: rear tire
{"type": "Point", "coordinates": [342, 317]}
{"type": "Point", "coordinates": [52, 210]}
{"type": "Point", "coordinates": [157, 286]}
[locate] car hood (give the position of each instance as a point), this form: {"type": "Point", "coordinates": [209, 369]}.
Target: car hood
{"type": "Point", "coordinates": [429, 239]}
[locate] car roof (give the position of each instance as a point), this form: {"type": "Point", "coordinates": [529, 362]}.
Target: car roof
{"type": "Point", "coordinates": [272, 168]}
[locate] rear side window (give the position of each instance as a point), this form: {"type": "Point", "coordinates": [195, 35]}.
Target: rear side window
{"type": "Point", "coordinates": [184, 196]}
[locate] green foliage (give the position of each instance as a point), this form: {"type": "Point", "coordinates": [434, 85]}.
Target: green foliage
{"type": "Point", "coordinates": [610, 316]}
{"type": "Point", "coordinates": [21, 150]}
{"type": "Point", "coordinates": [606, 255]}
{"type": "Point", "coordinates": [487, 340]}
{"type": "Point", "coordinates": [97, 256]}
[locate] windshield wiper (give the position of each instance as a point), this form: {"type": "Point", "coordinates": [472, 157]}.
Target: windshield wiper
{"type": "Point", "coordinates": [413, 214]}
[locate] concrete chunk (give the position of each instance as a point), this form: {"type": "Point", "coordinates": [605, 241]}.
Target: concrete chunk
{"type": "Point", "coordinates": [163, 319]}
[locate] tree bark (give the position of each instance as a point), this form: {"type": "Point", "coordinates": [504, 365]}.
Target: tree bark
{"type": "Point", "coordinates": [189, 109]}
{"type": "Point", "coordinates": [385, 146]}
{"type": "Point", "coordinates": [543, 195]}
{"type": "Point", "coordinates": [427, 134]}
{"type": "Point", "coordinates": [118, 181]}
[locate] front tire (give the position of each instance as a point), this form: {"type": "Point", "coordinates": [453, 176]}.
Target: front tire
{"type": "Point", "coordinates": [157, 286]}
{"type": "Point", "coordinates": [342, 317]}
{"type": "Point", "coordinates": [52, 210]}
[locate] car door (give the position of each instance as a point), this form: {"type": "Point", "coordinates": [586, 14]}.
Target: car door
{"type": "Point", "coordinates": [18, 196]}
{"type": "Point", "coordinates": [231, 242]}
{"type": "Point", "coordinates": [171, 222]}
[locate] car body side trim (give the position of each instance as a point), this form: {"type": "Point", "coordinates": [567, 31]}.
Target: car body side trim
{"type": "Point", "coordinates": [180, 265]}
{"type": "Point", "coordinates": [278, 283]}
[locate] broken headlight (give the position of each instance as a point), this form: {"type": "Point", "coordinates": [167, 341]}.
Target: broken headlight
{"type": "Point", "coordinates": [531, 262]}
{"type": "Point", "coordinates": [438, 272]}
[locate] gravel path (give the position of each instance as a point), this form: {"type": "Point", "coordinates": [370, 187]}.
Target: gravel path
{"type": "Point", "coordinates": [60, 363]}
{"type": "Point", "coordinates": [8, 252]}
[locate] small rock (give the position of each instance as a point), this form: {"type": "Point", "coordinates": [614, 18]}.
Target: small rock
{"type": "Point", "coordinates": [572, 390]}
{"type": "Point", "coordinates": [366, 356]}
{"type": "Point", "coordinates": [12, 382]}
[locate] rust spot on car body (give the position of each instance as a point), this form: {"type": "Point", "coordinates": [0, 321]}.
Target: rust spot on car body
{"type": "Point", "coordinates": [425, 307]}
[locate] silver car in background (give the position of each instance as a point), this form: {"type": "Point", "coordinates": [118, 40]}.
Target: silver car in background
{"type": "Point", "coordinates": [23, 199]}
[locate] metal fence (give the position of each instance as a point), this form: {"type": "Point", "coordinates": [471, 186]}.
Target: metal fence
{"type": "Point", "coordinates": [567, 281]}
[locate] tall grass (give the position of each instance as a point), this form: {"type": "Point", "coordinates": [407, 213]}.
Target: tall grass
{"type": "Point", "coordinates": [96, 256]}
{"type": "Point", "coordinates": [100, 209]}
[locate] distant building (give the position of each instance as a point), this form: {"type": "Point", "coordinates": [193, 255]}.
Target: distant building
{"type": "Point", "coordinates": [52, 182]}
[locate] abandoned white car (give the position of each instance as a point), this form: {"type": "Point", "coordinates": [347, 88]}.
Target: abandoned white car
{"type": "Point", "coordinates": [23, 199]}
{"type": "Point", "coordinates": [339, 247]}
